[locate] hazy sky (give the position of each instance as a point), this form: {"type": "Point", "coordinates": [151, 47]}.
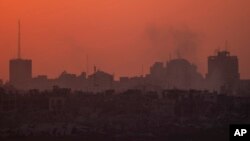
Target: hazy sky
{"type": "Point", "coordinates": [120, 36]}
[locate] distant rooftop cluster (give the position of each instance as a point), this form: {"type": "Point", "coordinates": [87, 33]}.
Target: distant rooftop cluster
{"type": "Point", "coordinates": [223, 75]}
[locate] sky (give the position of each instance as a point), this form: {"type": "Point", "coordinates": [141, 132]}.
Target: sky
{"type": "Point", "coordinates": [121, 36]}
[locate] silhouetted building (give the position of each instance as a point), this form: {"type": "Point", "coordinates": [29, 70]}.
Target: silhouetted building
{"type": "Point", "coordinates": [20, 72]}
{"type": "Point", "coordinates": [41, 82]}
{"type": "Point", "coordinates": [68, 80]}
{"type": "Point", "coordinates": [100, 81]}
{"type": "Point", "coordinates": [65, 80]}
{"type": "Point", "coordinates": [243, 88]}
{"type": "Point", "coordinates": [183, 75]}
{"type": "Point", "coordinates": [157, 73]}
{"type": "Point", "coordinates": [223, 71]}
{"type": "Point", "coordinates": [178, 73]}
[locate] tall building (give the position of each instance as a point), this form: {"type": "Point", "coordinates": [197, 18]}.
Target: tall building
{"type": "Point", "coordinates": [20, 70]}
{"type": "Point", "coordinates": [181, 74]}
{"type": "Point", "coordinates": [157, 73]}
{"type": "Point", "coordinates": [223, 71]}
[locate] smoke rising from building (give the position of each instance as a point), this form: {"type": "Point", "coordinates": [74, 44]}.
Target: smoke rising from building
{"type": "Point", "coordinates": [172, 42]}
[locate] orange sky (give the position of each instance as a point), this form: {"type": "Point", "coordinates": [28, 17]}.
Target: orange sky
{"type": "Point", "coordinates": [121, 35]}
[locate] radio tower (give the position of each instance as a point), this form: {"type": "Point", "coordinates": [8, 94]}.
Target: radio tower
{"type": "Point", "coordinates": [20, 70]}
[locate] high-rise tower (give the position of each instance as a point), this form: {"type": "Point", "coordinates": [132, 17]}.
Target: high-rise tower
{"type": "Point", "coordinates": [223, 70]}
{"type": "Point", "coordinates": [20, 70]}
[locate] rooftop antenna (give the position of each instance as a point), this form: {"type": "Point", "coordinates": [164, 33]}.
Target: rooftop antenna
{"type": "Point", "coordinates": [142, 70]}
{"type": "Point", "coordinates": [226, 45]}
{"type": "Point", "coordinates": [19, 41]}
{"type": "Point", "coordinates": [87, 64]}
{"type": "Point", "coordinates": [87, 70]}
{"type": "Point", "coordinates": [95, 69]}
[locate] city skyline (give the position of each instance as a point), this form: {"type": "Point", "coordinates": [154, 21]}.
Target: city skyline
{"type": "Point", "coordinates": [20, 68]}
{"type": "Point", "coordinates": [91, 69]}
{"type": "Point", "coordinates": [121, 37]}
{"type": "Point", "coordinates": [124, 70]}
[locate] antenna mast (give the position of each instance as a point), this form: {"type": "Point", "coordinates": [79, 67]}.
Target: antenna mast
{"type": "Point", "coordinates": [226, 45]}
{"type": "Point", "coordinates": [87, 64]}
{"type": "Point", "coordinates": [142, 70]}
{"type": "Point", "coordinates": [19, 41]}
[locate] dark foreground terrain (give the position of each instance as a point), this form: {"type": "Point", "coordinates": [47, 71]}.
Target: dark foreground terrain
{"type": "Point", "coordinates": [173, 115]}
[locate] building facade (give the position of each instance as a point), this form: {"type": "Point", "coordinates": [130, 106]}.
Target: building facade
{"type": "Point", "coordinates": [20, 72]}
{"type": "Point", "coordinates": [223, 71]}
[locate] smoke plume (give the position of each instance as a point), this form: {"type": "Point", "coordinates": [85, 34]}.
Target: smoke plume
{"type": "Point", "coordinates": [174, 42]}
